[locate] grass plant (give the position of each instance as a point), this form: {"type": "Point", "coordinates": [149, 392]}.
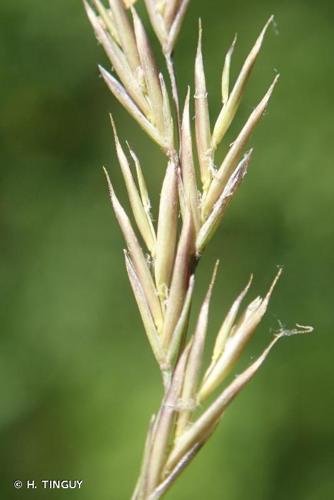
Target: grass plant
{"type": "Point", "coordinates": [161, 258]}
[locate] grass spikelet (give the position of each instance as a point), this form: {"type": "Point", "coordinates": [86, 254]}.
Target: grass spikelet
{"type": "Point", "coordinates": [144, 310]}
{"type": "Point", "coordinates": [119, 62]}
{"type": "Point", "coordinates": [202, 118]}
{"type": "Point", "coordinates": [164, 424]}
{"type": "Point", "coordinates": [150, 72]}
{"type": "Point", "coordinates": [182, 324]}
{"type": "Point", "coordinates": [125, 32]}
{"type": "Point", "coordinates": [180, 279]}
{"type": "Point", "coordinates": [143, 222]}
{"type": "Point", "coordinates": [210, 225]}
{"type": "Point", "coordinates": [123, 97]}
{"type": "Point", "coordinates": [194, 363]}
{"type": "Point", "coordinates": [187, 166]}
{"type": "Point", "coordinates": [236, 342]}
{"type": "Point", "coordinates": [106, 17]}
{"type": "Point", "coordinates": [142, 185]}
{"type": "Point", "coordinates": [234, 153]}
{"type": "Point", "coordinates": [137, 256]}
{"type": "Point", "coordinates": [167, 231]}
{"type": "Point", "coordinates": [202, 428]}
{"type": "Point", "coordinates": [231, 107]}
{"type": "Point", "coordinates": [228, 323]}
{"type": "Point", "coordinates": [226, 72]}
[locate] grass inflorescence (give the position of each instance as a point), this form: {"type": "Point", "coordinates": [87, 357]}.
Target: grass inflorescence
{"type": "Point", "coordinates": [195, 194]}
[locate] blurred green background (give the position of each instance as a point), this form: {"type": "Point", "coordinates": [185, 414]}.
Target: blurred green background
{"type": "Point", "coordinates": [77, 380]}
